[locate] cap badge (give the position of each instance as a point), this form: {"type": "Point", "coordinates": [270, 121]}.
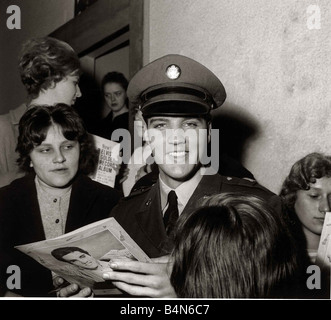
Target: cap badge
{"type": "Point", "coordinates": [173, 72]}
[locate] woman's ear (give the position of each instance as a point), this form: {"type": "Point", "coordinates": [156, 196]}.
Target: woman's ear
{"type": "Point", "coordinates": [31, 164]}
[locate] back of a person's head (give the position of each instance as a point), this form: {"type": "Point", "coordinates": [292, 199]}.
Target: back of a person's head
{"type": "Point", "coordinates": [44, 62]}
{"type": "Point", "coordinates": [234, 246]}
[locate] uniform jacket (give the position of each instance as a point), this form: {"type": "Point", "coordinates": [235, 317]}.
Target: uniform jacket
{"type": "Point", "coordinates": [141, 216]}
{"type": "Point", "coordinates": [20, 223]}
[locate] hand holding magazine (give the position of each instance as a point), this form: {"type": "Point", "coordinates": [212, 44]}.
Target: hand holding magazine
{"type": "Point", "coordinates": [83, 255]}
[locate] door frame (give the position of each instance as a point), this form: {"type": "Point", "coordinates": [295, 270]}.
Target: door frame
{"type": "Point", "coordinates": [104, 21]}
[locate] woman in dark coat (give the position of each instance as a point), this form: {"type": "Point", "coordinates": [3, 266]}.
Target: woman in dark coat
{"type": "Point", "coordinates": [55, 197]}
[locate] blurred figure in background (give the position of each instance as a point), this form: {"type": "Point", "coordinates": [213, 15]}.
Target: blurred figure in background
{"type": "Point", "coordinates": [114, 86]}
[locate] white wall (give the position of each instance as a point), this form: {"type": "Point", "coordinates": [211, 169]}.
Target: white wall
{"type": "Point", "coordinates": [276, 71]}
{"type": "Point", "coordinates": [38, 19]}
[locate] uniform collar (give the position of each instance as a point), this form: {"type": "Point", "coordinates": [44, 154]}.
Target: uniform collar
{"type": "Point", "coordinates": [183, 191]}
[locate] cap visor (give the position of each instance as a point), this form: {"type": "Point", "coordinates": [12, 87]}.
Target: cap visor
{"type": "Point", "coordinates": [175, 109]}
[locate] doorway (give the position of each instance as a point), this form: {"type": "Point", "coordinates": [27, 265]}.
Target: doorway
{"type": "Point", "coordinates": [107, 35]}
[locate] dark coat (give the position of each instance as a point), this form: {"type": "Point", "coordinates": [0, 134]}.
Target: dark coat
{"type": "Point", "coordinates": [20, 223]}
{"type": "Point", "coordinates": [141, 216]}
{"type": "Point", "coordinates": [107, 125]}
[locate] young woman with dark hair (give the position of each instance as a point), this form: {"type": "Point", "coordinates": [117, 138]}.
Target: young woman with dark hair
{"type": "Point", "coordinates": [54, 197]}
{"type": "Point", "coordinates": [306, 194]}
{"type": "Point", "coordinates": [114, 86]}
{"type": "Point", "coordinates": [306, 197]}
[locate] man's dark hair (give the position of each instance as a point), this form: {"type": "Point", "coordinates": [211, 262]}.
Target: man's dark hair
{"type": "Point", "coordinates": [60, 252]}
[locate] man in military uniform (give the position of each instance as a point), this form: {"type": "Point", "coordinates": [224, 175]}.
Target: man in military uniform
{"type": "Point", "coordinates": [175, 95]}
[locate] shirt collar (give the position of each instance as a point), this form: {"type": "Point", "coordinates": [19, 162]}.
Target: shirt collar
{"type": "Point", "coordinates": [184, 191]}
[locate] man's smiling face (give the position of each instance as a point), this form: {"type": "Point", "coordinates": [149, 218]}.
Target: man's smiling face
{"type": "Point", "coordinates": [176, 142]}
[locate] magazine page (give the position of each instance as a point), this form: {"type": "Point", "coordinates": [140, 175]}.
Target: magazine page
{"type": "Point", "coordinates": [109, 155]}
{"type": "Point", "coordinates": [83, 255]}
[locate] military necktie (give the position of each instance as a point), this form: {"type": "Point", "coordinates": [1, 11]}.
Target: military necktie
{"type": "Point", "coordinates": [171, 214]}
